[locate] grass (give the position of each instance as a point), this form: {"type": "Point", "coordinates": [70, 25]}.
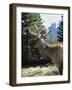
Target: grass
{"type": "Point", "coordinates": [47, 70]}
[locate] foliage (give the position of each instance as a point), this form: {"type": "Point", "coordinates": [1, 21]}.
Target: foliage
{"type": "Point", "coordinates": [28, 51]}
{"type": "Point", "coordinates": [60, 30]}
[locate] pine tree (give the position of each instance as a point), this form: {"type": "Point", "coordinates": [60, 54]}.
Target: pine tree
{"type": "Point", "coordinates": [60, 30]}
{"type": "Point", "coordinates": [24, 27]}
{"type": "Point", "coordinates": [28, 52]}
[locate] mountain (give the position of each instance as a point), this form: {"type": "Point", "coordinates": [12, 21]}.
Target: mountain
{"type": "Point", "coordinates": [53, 32]}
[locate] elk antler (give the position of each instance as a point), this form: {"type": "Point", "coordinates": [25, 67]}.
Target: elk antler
{"type": "Point", "coordinates": [44, 35]}
{"type": "Point", "coordinates": [34, 30]}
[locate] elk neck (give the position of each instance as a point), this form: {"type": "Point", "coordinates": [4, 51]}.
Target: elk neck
{"type": "Point", "coordinates": [41, 43]}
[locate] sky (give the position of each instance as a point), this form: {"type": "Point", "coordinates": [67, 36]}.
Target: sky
{"type": "Point", "coordinates": [51, 21]}
{"type": "Point", "coordinates": [48, 19]}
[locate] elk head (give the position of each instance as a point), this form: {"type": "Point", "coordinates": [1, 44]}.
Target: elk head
{"type": "Point", "coordinates": [37, 33]}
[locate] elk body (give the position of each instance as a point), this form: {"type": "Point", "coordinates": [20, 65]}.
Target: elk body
{"type": "Point", "coordinates": [54, 52]}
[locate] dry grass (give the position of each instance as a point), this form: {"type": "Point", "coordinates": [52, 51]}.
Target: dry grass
{"type": "Point", "coordinates": [40, 71]}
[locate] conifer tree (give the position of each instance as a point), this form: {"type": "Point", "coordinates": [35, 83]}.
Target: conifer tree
{"type": "Point", "coordinates": [60, 30]}
{"type": "Point", "coordinates": [28, 52]}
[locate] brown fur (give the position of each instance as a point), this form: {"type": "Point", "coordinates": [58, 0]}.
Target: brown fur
{"type": "Point", "coordinates": [54, 52]}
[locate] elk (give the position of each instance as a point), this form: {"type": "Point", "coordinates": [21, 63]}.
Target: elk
{"type": "Point", "coordinates": [54, 52]}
